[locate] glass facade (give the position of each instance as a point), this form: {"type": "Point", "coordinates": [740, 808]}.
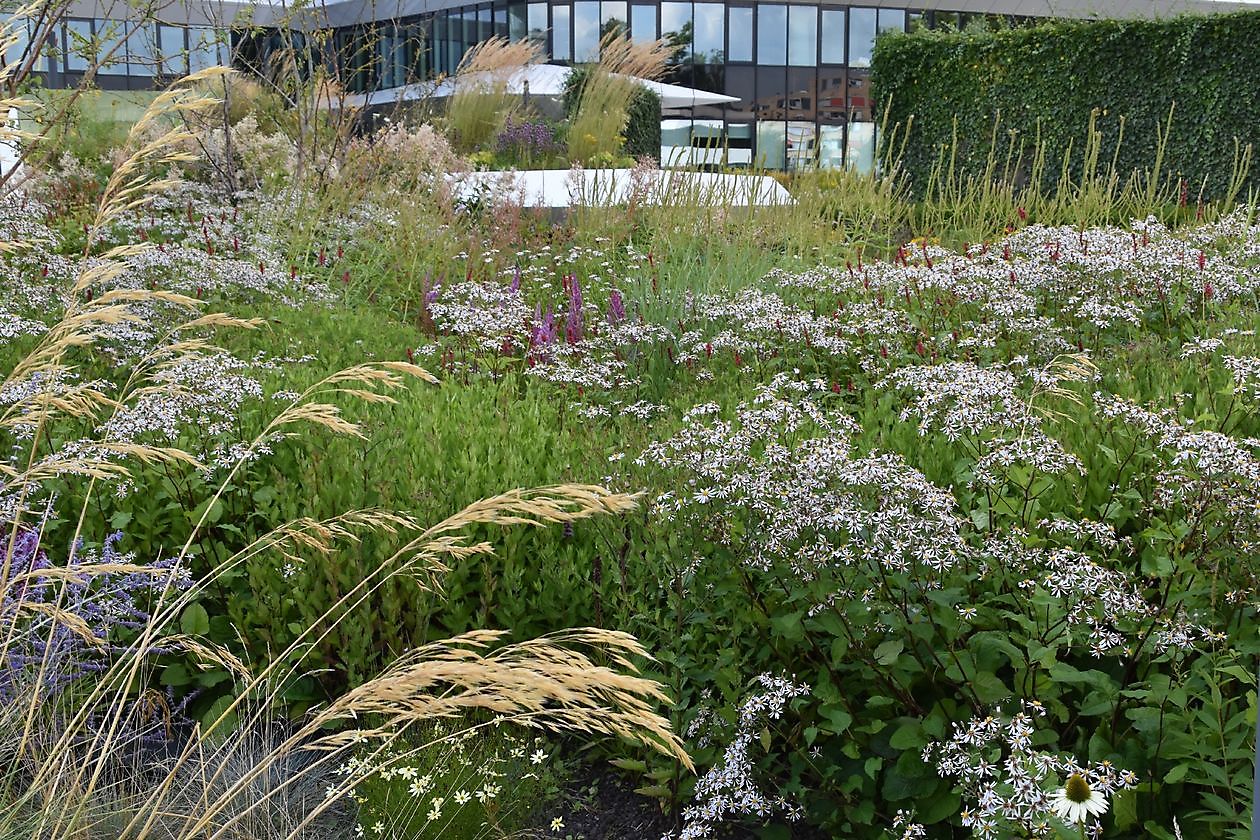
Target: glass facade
{"type": "Point", "coordinates": [798, 73]}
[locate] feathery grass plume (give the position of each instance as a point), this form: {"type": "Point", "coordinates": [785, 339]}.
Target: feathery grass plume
{"type": "Point", "coordinates": [599, 122]}
{"type": "Point", "coordinates": [481, 104]}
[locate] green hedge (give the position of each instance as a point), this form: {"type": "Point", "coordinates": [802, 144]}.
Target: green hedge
{"type": "Point", "coordinates": [643, 116]}
{"type": "Point", "coordinates": [1045, 80]}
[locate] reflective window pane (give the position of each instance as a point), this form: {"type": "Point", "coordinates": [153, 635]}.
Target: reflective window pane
{"type": "Point", "coordinates": [517, 27]}
{"type": "Point", "coordinates": [586, 31]}
{"type": "Point", "coordinates": [771, 34]}
{"type": "Point", "coordinates": [830, 146]}
{"type": "Point", "coordinates": [860, 148]}
{"type": "Point", "coordinates": [643, 23]}
{"type": "Point", "coordinates": [203, 49]}
{"type": "Point", "coordinates": [112, 52]}
{"type": "Point", "coordinates": [560, 32]}
{"type": "Point", "coordinates": [833, 36]}
{"type": "Point", "coordinates": [892, 20]}
{"type": "Point", "coordinates": [772, 145]}
{"type": "Point", "coordinates": [801, 150]}
{"type": "Point", "coordinates": [710, 33]}
{"type": "Point", "coordinates": [171, 55]}
{"type": "Point", "coordinates": [861, 36]}
{"type": "Point", "coordinates": [803, 36]}
{"type": "Point", "coordinates": [676, 29]}
{"type": "Point", "coordinates": [78, 45]}
{"type": "Point", "coordinates": [613, 18]}
{"type": "Point", "coordinates": [538, 22]}
{"type": "Point", "coordinates": [741, 29]}
{"type": "Point", "coordinates": [140, 50]}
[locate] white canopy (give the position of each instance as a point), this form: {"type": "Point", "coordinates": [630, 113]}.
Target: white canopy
{"type": "Point", "coordinates": [537, 80]}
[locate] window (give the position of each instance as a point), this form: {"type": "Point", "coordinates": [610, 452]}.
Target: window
{"type": "Point", "coordinates": [561, 19]}
{"type": "Point", "coordinates": [203, 49]}
{"type": "Point", "coordinates": [111, 50]}
{"type": "Point", "coordinates": [172, 57]}
{"type": "Point", "coordinates": [771, 34]}
{"type": "Point", "coordinates": [613, 18]}
{"type": "Point", "coordinates": [772, 145]}
{"type": "Point", "coordinates": [79, 50]}
{"type": "Point", "coordinates": [833, 36]}
{"type": "Point", "coordinates": [710, 33]}
{"type": "Point", "coordinates": [586, 31]}
{"type": "Point", "coordinates": [17, 52]}
{"type": "Point", "coordinates": [676, 29]}
{"type": "Point", "coordinates": [741, 29]}
{"type": "Point", "coordinates": [538, 23]}
{"type": "Point", "coordinates": [643, 23]}
{"type": "Point", "coordinates": [803, 36]}
{"type": "Point", "coordinates": [140, 50]}
{"type": "Point", "coordinates": [892, 20]}
{"type": "Point", "coordinates": [830, 146]}
{"type": "Point", "coordinates": [391, 57]}
{"type": "Point", "coordinates": [518, 28]}
{"type": "Point", "coordinates": [861, 36]}
{"type": "Point", "coordinates": [860, 149]}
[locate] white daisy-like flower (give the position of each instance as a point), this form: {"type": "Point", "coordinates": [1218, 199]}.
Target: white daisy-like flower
{"type": "Point", "coordinates": [1076, 801]}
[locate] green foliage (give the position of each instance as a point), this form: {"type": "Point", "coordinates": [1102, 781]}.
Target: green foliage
{"type": "Point", "coordinates": [643, 125]}
{"type": "Point", "coordinates": [971, 93]}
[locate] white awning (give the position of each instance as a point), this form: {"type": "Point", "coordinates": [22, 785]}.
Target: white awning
{"type": "Point", "coordinates": [539, 79]}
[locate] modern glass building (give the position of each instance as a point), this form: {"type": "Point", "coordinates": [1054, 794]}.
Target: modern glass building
{"type": "Point", "coordinates": [798, 72]}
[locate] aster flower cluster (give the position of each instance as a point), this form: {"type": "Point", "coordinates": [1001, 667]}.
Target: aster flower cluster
{"type": "Point", "coordinates": [807, 504]}
{"type": "Point", "coordinates": [1012, 783]}
{"type": "Point", "coordinates": [729, 789]}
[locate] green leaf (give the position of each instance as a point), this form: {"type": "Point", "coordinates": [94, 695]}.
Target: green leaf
{"type": "Point", "coordinates": [195, 621]}
{"type": "Point", "coordinates": [887, 652]}
{"type": "Point", "coordinates": [909, 736]}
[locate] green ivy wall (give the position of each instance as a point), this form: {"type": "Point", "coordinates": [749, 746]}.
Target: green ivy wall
{"type": "Point", "coordinates": [1045, 80]}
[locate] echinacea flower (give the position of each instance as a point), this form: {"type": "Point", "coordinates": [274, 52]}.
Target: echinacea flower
{"type": "Point", "coordinates": [1076, 801]}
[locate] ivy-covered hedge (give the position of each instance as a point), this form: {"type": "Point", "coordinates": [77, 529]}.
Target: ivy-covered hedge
{"type": "Point", "coordinates": [1045, 80]}
{"type": "Point", "coordinates": [643, 116]}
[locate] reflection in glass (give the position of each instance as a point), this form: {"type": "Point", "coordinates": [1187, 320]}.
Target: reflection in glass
{"type": "Point", "coordinates": [861, 36]}
{"type": "Point", "coordinates": [675, 142]}
{"type": "Point", "coordinates": [831, 94]}
{"type": "Point", "coordinates": [739, 144]}
{"type": "Point", "coordinates": [203, 49]}
{"type": "Point", "coordinates": [771, 34]}
{"type": "Point", "coordinates": [710, 33]}
{"type": "Point", "coordinates": [560, 20]}
{"type": "Point", "coordinates": [772, 145]}
{"type": "Point", "coordinates": [537, 21]}
{"type": "Point", "coordinates": [613, 18]}
{"type": "Point", "coordinates": [833, 36]}
{"type": "Point", "coordinates": [860, 148]}
{"type": "Point", "coordinates": [676, 30]}
{"type": "Point", "coordinates": [802, 94]}
{"type": "Point", "coordinates": [830, 146]}
{"type": "Point", "coordinates": [801, 145]}
{"type": "Point", "coordinates": [113, 55]}
{"type": "Point", "coordinates": [892, 20]}
{"type": "Point", "coordinates": [78, 44]}
{"type": "Point", "coordinates": [802, 36]}
{"type": "Point", "coordinates": [517, 27]}
{"type": "Point", "coordinates": [642, 23]}
{"type": "Point", "coordinates": [140, 49]}
{"type": "Point", "coordinates": [741, 29]}
{"type": "Point", "coordinates": [586, 31]}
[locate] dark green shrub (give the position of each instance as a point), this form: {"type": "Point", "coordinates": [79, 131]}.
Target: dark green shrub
{"type": "Point", "coordinates": [1044, 82]}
